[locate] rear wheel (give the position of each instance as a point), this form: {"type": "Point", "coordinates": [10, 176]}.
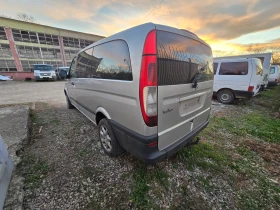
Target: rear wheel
{"type": "Point", "coordinates": [225, 96]}
{"type": "Point", "coordinates": [108, 140]}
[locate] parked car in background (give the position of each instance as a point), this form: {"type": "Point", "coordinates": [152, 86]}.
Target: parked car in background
{"type": "Point", "coordinates": [5, 78]}
{"type": "Point", "coordinates": [274, 76]}
{"type": "Point", "coordinates": [44, 72]}
{"type": "Point", "coordinates": [266, 59]}
{"type": "Point", "coordinates": [237, 78]}
{"type": "Point", "coordinates": [148, 88]}
{"type": "Point", "coordinates": [61, 72]}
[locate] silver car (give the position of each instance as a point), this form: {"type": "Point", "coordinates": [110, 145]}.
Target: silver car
{"type": "Point", "coordinates": [148, 88]}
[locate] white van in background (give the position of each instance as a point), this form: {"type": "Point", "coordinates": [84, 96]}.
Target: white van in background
{"type": "Point", "coordinates": [274, 76]}
{"type": "Point", "coordinates": [266, 59]}
{"type": "Point", "coordinates": [237, 78]}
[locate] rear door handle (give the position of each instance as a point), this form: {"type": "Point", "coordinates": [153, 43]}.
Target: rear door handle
{"type": "Point", "coordinates": [72, 83]}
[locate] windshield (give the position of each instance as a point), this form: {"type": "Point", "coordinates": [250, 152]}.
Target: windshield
{"type": "Point", "coordinates": [43, 67]}
{"type": "Point", "coordinates": [63, 69]}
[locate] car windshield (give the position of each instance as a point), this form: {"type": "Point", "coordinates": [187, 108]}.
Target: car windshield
{"type": "Point", "coordinates": [63, 69]}
{"type": "Point", "coordinates": [43, 67]}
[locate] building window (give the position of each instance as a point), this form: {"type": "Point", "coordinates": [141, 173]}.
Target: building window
{"type": "Point", "coordinates": [48, 39]}
{"type": "Point", "coordinates": [7, 65]}
{"type": "Point", "coordinates": [51, 53]}
{"type": "Point", "coordinates": [3, 34]}
{"type": "Point", "coordinates": [70, 54]}
{"type": "Point", "coordinates": [28, 52]}
{"type": "Point", "coordinates": [5, 50]}
{"type": "Point", "coordinates": [24, 36]}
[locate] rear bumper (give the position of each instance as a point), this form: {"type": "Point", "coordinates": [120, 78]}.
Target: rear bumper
{"type": "Point", "coordinates": [138, 145]}
{"type": "Point", "coordinates": [243, 94]}
{"type": "Point", "coordinates": [273, 83]}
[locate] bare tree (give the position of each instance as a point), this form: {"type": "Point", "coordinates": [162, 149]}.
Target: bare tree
{"type": "Point", "coordinates": [5, 16]}
{"type": "Point", "coordinates": [25, 17]}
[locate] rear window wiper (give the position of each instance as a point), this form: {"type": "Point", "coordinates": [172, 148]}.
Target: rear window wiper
{"type": "Point", "coordinates": [198, 75]}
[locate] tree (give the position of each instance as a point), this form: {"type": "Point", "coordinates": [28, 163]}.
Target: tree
{"type": "Point", "coordinates": [25, 17]}
{"type": "Point", "coordinates": [5, 16]}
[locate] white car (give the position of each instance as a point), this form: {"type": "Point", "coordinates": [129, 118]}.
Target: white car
{"type": "Point", "coordinates": [5, 78]}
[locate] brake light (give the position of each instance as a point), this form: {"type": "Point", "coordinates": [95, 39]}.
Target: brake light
{"type": "Point", "coordinates": [276, 80]}
{"type": "Point", "coordinates": [250, 88]}
{"type": "Point", "coordinates": [148, 81]}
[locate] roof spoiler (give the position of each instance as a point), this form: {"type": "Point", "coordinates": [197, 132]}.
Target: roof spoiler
{"type": "Point", "coordinates": [189, 32]}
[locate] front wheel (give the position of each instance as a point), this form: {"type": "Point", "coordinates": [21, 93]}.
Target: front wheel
{"type": "Point", "coordinates": [226, 96]}
{"type": "Point", "coordinates": [108, 140]}
{"type": "Point", "coordinates": [68, 102]}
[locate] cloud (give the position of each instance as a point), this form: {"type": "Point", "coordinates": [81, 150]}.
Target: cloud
{"type": "Point", "coordinates": [216, 21]}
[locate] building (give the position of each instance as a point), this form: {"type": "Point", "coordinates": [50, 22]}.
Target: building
{"type": "Point", "coordinates": [23, 44]}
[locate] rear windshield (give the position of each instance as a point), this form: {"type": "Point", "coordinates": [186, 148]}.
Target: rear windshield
{"type": "Point", "coordinates": [272, 70]}
{"type": "Point", "coordinates": [43, 68]}
{"type": "Point", "coordinates": [181, 60]}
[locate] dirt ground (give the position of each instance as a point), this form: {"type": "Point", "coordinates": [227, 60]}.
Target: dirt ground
{"type": "Point", "coordinates": [15, 92]}
{"type": "Point", "coordinates": [65, 168]}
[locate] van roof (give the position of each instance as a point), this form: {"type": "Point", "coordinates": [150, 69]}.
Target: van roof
{"type": "Point", "coordinates": [235, 59]}
{"type": "Point", "coordinates": [151, 26]}
{"type": "Point", "coordinates": [246, 56]}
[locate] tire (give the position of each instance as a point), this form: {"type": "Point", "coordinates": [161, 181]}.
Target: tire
{"type": "Point", "coordinates": [108, 140]}
{"type": "Point", "coordinates": [68, 102]}
{"type": "Point", "coordinates": [225, 96]}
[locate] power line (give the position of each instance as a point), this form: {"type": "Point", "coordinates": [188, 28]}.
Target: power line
{"type": "Point", "coordinates": [154, 8]}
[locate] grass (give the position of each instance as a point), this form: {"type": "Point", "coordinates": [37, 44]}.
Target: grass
{"type": "Point", "coordinates": [34, 170]}
{"type": "Point", "coordinates": [256, 124]}
{"type": "Point", "coordinates": [270, 99]}
{"type": "Point", "coordinates": [142, 180]}
{"type": "Point", "coordinates": [205, 156]}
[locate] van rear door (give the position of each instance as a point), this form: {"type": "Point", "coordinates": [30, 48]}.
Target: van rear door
{"type": "Point", "coordinates": [257, 74]}
{"type": "Point", "coordinates": [182, 106]}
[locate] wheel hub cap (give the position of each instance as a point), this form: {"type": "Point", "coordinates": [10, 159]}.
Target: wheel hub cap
{"type": "Point", "coordinates": [105, 138]}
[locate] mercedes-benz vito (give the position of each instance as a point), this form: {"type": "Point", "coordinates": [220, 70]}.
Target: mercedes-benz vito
{"type": "Point", "coordinates": [148, 88]}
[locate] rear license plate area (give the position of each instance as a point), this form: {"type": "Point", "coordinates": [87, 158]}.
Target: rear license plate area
{"type": "Point", "coordinates": [191, 104]}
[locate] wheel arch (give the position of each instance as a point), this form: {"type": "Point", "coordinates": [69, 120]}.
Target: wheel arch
{"type": "Point", "coordinates": [101, 113]}
{"type": "Point", "coordinates": [229, 89]}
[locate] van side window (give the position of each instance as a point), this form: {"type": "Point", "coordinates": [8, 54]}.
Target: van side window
{"type": "Point", "coordinates": [272, 70]}
{"type": "Point", "coordinates": [215, 68]}
{"type": "Point", "coordinates": [84, 63]}
{"type": "Point", "coordinates": [113, 61]}
{"type": "Point", "coordinates": [234, 68]}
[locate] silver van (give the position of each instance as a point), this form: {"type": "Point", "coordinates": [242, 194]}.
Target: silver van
{"type": "Point", "coordinates": [148, 88]}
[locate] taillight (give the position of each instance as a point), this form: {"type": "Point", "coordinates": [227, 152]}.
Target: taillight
{"type": "Point", "coordinates": [276, 80]}
{"type": "Point", "coordinates": [148, 81]}
{"type": "Point", "coordinates": [250, 88]}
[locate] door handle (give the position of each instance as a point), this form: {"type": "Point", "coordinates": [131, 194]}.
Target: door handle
{"type": "Point", "coordinates": [72, 83]}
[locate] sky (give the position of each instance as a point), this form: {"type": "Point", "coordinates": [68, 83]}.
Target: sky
{"type": "Point", "coordinates": [225, 25]}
